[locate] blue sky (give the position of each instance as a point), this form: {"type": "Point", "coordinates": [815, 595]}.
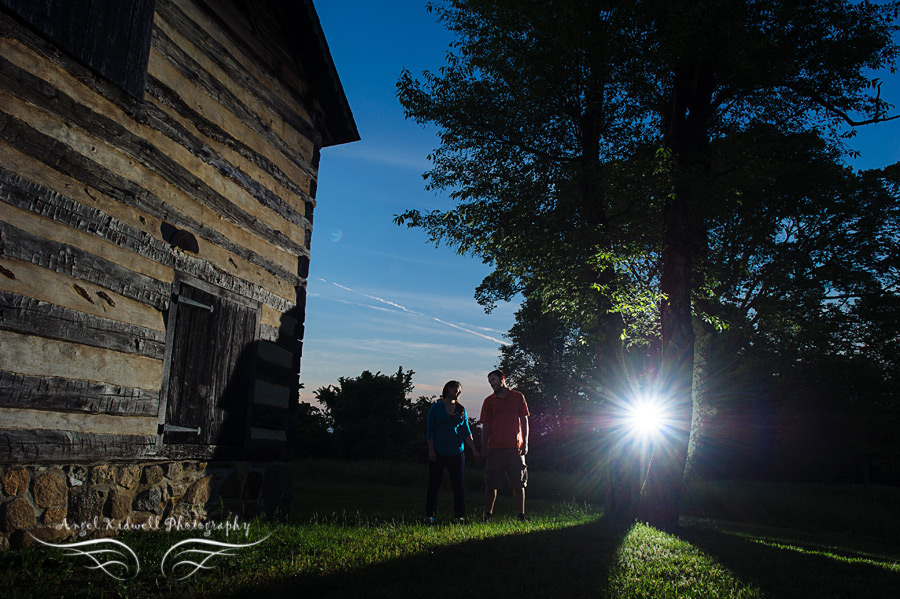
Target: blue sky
{"type": "Point", "coordinates": [380, 296]}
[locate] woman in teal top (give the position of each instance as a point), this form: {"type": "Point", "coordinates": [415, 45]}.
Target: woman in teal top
{"type": "Point", "coordinates": [447, 431]}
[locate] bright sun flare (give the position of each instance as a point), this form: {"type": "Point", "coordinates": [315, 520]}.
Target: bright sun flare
{"type": "Point", "coordinates": [646, 417]}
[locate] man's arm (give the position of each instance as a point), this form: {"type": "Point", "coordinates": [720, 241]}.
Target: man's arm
{"type": "Point", "coordinates": [485, 438]}
{"type": "Point", "coordinates": [523, 422]}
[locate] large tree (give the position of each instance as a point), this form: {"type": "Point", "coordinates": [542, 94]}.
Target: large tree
{"type": "Point", "coordinates": [716, 68]}
{"type": "Point", "coordinates": [576, 137]}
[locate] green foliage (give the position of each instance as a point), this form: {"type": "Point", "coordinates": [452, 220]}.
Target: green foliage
{"type": "Point", "coordinates": [533, 125]}
{"type": "Point", "coordinates": [837, 420]}
{"type": "Point", "coordinates": [799, 249]}
{"type": "Point", "coordinates": [800, 240]}
{"type": "Point", "coordinates": [372, 417]}
{"type": "Point", "coordinates": [549, 360]}
{"type": "Point", "coordinates": [716, 70]}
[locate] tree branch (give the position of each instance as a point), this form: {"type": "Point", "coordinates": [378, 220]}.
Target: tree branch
{"type": "Point", "coordinates": [818, 99]}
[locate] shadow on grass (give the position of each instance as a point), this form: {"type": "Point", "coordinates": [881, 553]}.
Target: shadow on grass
{"type": "Point", "coordinates": [576, 562]}
{"type": "Point", "coordinates": [564, 563]}
{"type": "Point", "coordinates": [787, 569]}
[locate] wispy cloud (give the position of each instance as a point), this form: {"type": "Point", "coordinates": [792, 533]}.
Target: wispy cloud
{"type": "Point", "coordinates": [352, 303]}
{"type": "Point", "coordinates": [481, 332]}
{"type": "Point", "coordinates": [385, 155]}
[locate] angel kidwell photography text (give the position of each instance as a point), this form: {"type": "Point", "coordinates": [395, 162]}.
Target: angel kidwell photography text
{"type": "Point", "coordinates": [183, 557]}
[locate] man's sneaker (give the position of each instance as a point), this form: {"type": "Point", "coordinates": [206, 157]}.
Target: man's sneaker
{"type": "Point", "coordinates": [488, 518]}
{"type": "Point", "coordinates": [524, 518]}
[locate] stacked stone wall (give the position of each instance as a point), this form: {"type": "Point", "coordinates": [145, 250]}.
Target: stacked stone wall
{"type": "Point", "coordinates": [60, 502]}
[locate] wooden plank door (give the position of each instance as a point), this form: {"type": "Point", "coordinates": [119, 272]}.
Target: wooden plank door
{"type": "Point", "coordinates": [211, 367]}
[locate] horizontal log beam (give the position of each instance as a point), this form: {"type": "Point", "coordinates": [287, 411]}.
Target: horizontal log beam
{"type": "Point", "coordinates": [19, 446]}
{"type": "Point", "coordinates": [69, 395]}
{"type": "Point", "coordinates": [39, 356]}
{"type": "Point", "coordinates": [42, 94]}
{"type": "Point", "coordinates": [18, 191]}
{"type": "Point", "coordinates": [261, 452]}
{"type": "Point", "coordinates": [36, 282]}
{"type": "Point", "coordinates": [63, 258]}
{"type": "Point", "coordinates": [213, 88]}
{"type": "Point", "coordinates": [222, 56]}
{"type": "Point", "coordinates": [30, 316]}
{"type": "Point", "coordinates": [97, 424]}
{"type": "Point", "coordinates": [270, 417]}
{"type": "Point", "coordinates": [32, 445]}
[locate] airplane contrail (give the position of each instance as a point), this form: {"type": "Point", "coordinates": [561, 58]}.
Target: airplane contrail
{"type": "Point", "coordinates": [415, 313]}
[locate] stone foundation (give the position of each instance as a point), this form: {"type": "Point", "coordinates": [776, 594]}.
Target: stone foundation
{"type": "Point", "coordinates": [59, 502]}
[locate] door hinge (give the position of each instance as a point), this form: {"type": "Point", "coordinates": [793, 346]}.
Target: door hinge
{"type": "Point", "coordinates": [191, 302]}
{"type": "Point", "coordinates": [171, 428]}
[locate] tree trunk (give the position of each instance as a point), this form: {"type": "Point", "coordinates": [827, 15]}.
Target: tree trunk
{"type": "Point", "coordinates": [703, 335]}
{"type": "Point", "coordinates": [685, 128]}
{"type": "Point", "coordinates": [662, 488]}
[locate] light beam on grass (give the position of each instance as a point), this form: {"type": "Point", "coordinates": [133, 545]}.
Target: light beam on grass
{"type": "Point", "coordinates": [651, 563]}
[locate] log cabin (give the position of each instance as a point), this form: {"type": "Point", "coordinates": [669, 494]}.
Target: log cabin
{"type": "Point", "coordinates": [158, 165]}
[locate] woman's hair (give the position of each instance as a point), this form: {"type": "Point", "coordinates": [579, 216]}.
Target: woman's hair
{"type": "Point", "coordinates": [449, 385]}
{"type": "Point", "coordinates": [454, 385]}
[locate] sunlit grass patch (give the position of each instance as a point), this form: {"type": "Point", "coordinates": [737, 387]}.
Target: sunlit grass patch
{"type": "Point", "coordinates": [650, 563]}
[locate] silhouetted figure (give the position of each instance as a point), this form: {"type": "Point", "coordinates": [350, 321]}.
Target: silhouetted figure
{"type": "Point", "coordinates": [504, 416]}
{"type": "Point", "coordinates": [447, 432]}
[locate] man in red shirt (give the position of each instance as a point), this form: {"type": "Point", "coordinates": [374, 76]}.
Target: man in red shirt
{"type": "Point", "coordinates": [504, 442]}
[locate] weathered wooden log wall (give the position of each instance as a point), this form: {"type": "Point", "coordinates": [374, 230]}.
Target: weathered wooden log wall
{"type": "Point", "coordinates": [114, 207]}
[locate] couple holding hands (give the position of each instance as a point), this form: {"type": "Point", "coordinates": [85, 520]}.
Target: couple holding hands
{"type": "Point", "coordinates": [504, 444]}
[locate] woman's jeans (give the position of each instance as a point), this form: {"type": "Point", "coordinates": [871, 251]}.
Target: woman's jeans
{"type": "Point", "coordinates": [455, 465]}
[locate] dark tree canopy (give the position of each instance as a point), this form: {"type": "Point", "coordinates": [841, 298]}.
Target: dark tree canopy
{"type": "Point", "coordinates": [580, 143]}
{"type": "Point", "coordinates": [371, 415]}
{"type": "Point", "coordinates": [311, 431]}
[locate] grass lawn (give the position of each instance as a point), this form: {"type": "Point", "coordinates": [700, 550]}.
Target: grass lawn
{"type": "Point", "coordinates": [356, 531]}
